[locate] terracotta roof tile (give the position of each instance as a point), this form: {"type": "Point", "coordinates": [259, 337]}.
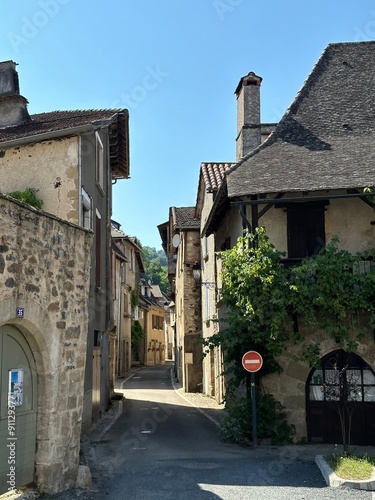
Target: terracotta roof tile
{"type": "Point", "coordinates": [213, 174]}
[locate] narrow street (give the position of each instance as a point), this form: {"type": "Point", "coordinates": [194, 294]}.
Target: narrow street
{"type": "Point", "coordinates": [161, 447]}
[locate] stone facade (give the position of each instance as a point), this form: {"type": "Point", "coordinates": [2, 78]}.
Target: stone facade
{"type": "Point", "coordinates": [44, 268]}
{"type": "Point", "coordinates": [188, 312]}
{"type": "Point", "coordinates": [289, 386]}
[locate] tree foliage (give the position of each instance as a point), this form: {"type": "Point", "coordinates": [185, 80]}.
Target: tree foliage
{"type": "Point", "coordinates": [155, 263]}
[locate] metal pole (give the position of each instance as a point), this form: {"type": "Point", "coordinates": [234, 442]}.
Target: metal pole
{"type": "Point", "coordinates": [254, 409]}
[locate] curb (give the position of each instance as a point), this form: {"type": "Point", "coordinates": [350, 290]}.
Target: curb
{"type": "Point", "coordinates": [213, 420]}
{"type": "Point", "coordinates": [336, 482]}
{"type": "Point", "coordinates": [98, 438]}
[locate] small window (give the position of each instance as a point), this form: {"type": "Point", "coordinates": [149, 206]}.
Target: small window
{"type": "Point", "coordinates": [86, 214]}
{"type": "Point", "coordinates": [205, 248]}
{"type": "Point", "coordinates": [226, 245]}
{"type": "Point", "coordinates": [136, 314]}
{"type": "Point", "coordinates": [98, 244]}
{"type": "Point", "coordinates": [99, 161]}
{"type": "Point", "coordinates": [363, 266]}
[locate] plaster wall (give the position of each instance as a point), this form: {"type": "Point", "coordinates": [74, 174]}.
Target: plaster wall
{"type": "Point", "coordinates": [155, 341]}
{"type": "Point", "coordinates": [44, 268]}
{"type": "Point", "coordinates": [212, 368]}
{"type": "Point", "coordinates": [230, 227]}
{"type": "Point", "coordinates": [349, 219]}
{"type": "Point", "coordinates": [51, 167]}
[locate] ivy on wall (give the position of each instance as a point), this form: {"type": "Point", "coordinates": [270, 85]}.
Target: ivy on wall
{"type": "Point", "coordinates": [265, 300]}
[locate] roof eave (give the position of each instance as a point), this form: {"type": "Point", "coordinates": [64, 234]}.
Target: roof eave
{"type": "Point", "coordinates": [66, 132]}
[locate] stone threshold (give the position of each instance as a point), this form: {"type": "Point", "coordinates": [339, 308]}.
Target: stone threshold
{"type": "Point", "coordinates": [335, 481]}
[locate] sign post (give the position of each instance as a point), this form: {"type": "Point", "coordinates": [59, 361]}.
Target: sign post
{"type": "Point", "coordinates": [252, 361]}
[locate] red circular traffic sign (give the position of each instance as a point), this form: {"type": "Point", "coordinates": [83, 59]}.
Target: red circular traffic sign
{"type": "Point", "coordinates": [252, 361]}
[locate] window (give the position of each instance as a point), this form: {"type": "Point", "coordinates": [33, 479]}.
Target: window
{"type": "Point", "coordinates": [207, 305]}
{"type": "Point", "coordinates": [136, 315]}
{"type": "Point", "coordinates": [363, 266]}
{"type": "Point", "coordinates": [305, 229]}
{"type": "Point", "coordinates": [157, 322]}
{"type": "Point", "coordinates": [226, 245]}
{"type": "Point", "coordinates": [205, 248]}
{"type": "Point", "coordinates": [98, 249]}
{"type": "Point", "coordinates": [126, 304]}
{"type": "Point", "coordinates": [99, 161]}
{"type": "Point", "coordinates": [354, 383]}
{"type": "Point", "coordinates": [86, 205]}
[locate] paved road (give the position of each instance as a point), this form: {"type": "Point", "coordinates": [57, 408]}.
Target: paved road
{"type": "Point", "coordinates": [161, 447]}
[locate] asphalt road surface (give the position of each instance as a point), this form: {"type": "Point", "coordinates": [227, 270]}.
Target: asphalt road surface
{"type": "Point", "coordinates": [161, 447]}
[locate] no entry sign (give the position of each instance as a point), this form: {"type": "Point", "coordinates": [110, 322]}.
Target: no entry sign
{"type": "Point", "coordinates": [252, 361]}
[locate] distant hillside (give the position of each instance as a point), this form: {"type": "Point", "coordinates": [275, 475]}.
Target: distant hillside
{"type": "Point", "coordinates": [155, 262]}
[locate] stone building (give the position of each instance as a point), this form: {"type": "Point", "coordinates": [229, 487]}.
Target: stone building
{"type": "Point", "coordinates": [181, 243]}
{"type": "Point", "coordinates": [71, 158]}
{"type": "Point", "coordinates": [305, 185]}
{"type": "Point", "coordinates": [152, 319]}
{"type": "Point", "coordinates": [44, 315]}
{"type": "Point", "coordinates": [126, 280]}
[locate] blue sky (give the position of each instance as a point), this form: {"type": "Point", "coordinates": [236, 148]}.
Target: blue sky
{"type": "Point", "coordinates": [175, 65]}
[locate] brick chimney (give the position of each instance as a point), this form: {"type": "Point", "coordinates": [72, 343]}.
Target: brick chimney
{"type": "Point", "coordinates": [248, 114]}
{"type": "Point", "coordinates": [13, 107]}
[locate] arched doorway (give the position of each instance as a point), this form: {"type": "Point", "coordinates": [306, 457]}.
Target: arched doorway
{"type": "Point", "coordinates": [343, 381]}
{"type": "Point", "coordinates": [18, 409]}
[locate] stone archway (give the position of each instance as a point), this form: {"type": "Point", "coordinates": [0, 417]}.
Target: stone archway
{"type": "Point", "coordinates": [356, 390]}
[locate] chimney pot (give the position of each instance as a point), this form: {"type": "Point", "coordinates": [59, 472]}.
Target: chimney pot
{"type": "Point", "coordinates": [13, 106]}
{"type": "Point", "coordinates": [248, 114]}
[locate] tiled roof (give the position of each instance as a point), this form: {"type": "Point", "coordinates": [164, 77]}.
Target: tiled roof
{"type": "Point", "coordinates": [66, 121]}
{"type": "Point", "coordinates": [117, 233]}
{"type": "Point", "coordinates": [213, 174]}
{"type": "Point", "coordinates": [119, 252]}
{"type": "Point", "coordinates": [54, 121]}
{"type": "Point", "coordinates": [326, 138]}
{"type": "Point", "coordinates": [183, 218]}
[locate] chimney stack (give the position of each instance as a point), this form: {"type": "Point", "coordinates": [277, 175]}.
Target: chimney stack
{"type": "Point", "coordinates": [13, 106]}
{"type": "Point", "coordinates": [248, 114]}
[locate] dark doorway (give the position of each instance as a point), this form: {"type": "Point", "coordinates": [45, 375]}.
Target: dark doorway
{"type": "Point", "coordinates": [356, 389]}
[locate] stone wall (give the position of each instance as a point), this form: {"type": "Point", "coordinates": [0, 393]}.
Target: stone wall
{"type": "Point", "coordinates": [289, 387]}
{"type": "Point", "coordinates": [44, 268]}
{"type": "Point", "coordinates": [192, 314]}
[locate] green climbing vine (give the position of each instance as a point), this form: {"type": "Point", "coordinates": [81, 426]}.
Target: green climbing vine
{"type": "Point", "coordinates": [136, 336]}
{"type": "Point", "coordinates": [329, 292]}
{"type": "Point", "coordinates": [134, 299]}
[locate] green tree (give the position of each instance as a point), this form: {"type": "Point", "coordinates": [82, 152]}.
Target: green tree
{"type": "Point", "coordinates": [155, 263]}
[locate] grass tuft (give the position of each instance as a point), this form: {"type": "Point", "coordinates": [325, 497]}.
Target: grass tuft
{"type": "Point", "coordinates": [348, 466]}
